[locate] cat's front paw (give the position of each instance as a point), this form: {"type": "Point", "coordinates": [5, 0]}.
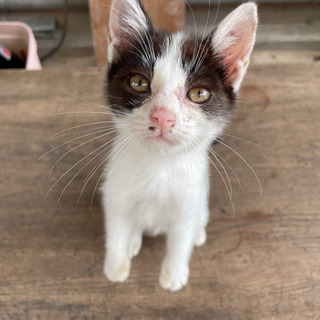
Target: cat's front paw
{"type": "Point", "coordinates": [173, 281]}
{"type": "Point", "coordinates": [117, 272]}
{"type": "Point", "coordinates": [201, 238]}
{"type": "Point", "coordinates": [135, 246]}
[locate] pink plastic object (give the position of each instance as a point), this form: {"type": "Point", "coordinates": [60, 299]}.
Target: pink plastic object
{"type": "Point", "coordinates": [18, 37]}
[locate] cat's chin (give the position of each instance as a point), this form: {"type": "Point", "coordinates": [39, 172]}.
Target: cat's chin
{"type": "Point", "coordinates": [161, 139]}
{"type": "Point", "coordinates": [162, 145]}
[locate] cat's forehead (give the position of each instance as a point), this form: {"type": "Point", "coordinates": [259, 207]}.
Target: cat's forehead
{"type": "Point", "coordinates": [168, 71]}
{"type": "Point", "coordinates": [161, 54]}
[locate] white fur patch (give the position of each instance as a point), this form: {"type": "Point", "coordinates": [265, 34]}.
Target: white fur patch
{"type": "Point", "coordinates": [169, 74]}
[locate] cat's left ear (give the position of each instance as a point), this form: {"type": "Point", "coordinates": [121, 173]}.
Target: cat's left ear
{"type": "Point", "coordinates": [128, 23]}
{"type": "Point", "coordinates": [233, 41]}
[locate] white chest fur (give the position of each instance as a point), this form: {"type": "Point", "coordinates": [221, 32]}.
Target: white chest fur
{"type": "Point", "coordinates": [157, 192]}
{"type": "Point", "coordinates": [145, 193]}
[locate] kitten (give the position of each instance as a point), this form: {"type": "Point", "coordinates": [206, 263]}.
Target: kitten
{"type": "Point", "coordinates": [171, 96]}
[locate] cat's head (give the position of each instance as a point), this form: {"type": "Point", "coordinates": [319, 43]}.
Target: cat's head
{"type": "Point", "coordinates": [174, 91]}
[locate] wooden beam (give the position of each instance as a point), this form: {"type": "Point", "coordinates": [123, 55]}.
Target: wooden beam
{"type": "Point", "coordinates": [165, 14]}
{"type": "Point", "coordinates": [99, 14]}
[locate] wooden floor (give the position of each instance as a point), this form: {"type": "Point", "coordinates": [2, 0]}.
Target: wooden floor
{"type": "Point", "coordinates": [263, 262]}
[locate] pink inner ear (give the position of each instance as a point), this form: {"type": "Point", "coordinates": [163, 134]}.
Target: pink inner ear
{"type": "Point", "coordinates": [234, 41]}
{"type": "Point", "coordinates": [237, 52]}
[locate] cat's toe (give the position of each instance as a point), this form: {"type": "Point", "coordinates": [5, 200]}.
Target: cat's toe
{"type": "Point", "coordinates": [117, 272]}
{"type": "Point", "coordinates": [173, 281]}
{"type": "Point", "coordinates": [135, 247]}
{"type": "Point", "coordinates": [201, 238]}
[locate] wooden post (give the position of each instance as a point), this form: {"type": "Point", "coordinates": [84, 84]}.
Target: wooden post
{"type": "Point", "coordinates": [165, 14]}
{"type": "Point", "coordinates": [99, 14]}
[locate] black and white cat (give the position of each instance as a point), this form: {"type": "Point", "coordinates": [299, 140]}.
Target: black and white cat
{"type": "Point", "coordinates": [171, 96]}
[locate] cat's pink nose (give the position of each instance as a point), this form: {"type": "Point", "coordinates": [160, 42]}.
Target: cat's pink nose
{"type": "Point", "coordinates": [163, 118]}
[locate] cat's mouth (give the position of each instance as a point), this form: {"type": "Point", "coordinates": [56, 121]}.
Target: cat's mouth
{"type": "Point", "coordinates": [160, 137]}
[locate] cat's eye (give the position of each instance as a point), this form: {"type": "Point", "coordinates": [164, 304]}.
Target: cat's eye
{"type": "Point", "coordinates": [199, 95]}
{"type": "Point", "coordinates": [139, 83]}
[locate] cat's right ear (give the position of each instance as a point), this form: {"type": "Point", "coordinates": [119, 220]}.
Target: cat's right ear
{"type": "Point", "coordinates": [128, 23]}
{"type": "Point", "coordinates": [233, 42]}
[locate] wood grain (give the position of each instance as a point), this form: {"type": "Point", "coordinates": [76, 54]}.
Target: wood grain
{"type": "Point", "coordinates": [261, 263]}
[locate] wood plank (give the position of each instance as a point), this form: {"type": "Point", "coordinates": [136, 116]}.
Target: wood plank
{"type": "Point", "coordinates": [261, 263]}
{"type": "Point", "coordinates": [289, 26]}
{"type": "Point", "coordinates": [165, 14]}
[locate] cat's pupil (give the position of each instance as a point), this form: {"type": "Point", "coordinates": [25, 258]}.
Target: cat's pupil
{"type": "Point", "coordinates": [139, 84]}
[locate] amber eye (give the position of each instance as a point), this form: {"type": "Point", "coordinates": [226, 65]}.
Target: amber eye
{"type": "Point", "coordinates": [199, 95]}
{"type": "Point", "coordinates": [139, 83]}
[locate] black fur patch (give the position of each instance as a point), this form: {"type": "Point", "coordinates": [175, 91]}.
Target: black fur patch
{"type": "Point", "coordinates": [205, 70]}
{"type": "Point", "coordinates": [121, 97]}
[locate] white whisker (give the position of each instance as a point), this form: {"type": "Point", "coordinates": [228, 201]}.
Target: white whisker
{"type": "Point", "coordinates": [63, 175]}
{"type": "Point", "coordinates": [247, 141]}
{"type": "Point", "coordinates": [74, 139]}
{"type": "Point", "coordinates": [98, 165]}
{"type": "Point", "coordinates": [217, 14]}
{"type": "Point", "coordinates": [232, 170]}
{"type": "Point", "coordinates": [80, 145]}
{"type": "Point", "coordinates": [193, 17]}
{"type": "Point", "coordinates": [224, 170]}
{"type": "Point", "coordinates": [63, 134]}
{"type": "Point", "coordinates": [249, 166]}
{"type": "Point", "coordinates": [224, 181]}
{"type": "Point", "coordinates": [104, 147]}
{"type": "Point", "coordinates": [85, 100]}
{"type": "Point", "coordinates": [125, 144]}
{"type": "Point", "coordinates": [97, 105]}
{"type": "Point", "coordinates": [78, 112]}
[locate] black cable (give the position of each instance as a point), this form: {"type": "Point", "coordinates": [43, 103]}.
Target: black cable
{"type": "Point", "coordinates": [63, 35]}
